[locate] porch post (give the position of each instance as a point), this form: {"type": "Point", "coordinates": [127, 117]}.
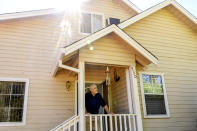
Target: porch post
{"type": "Point", "coordinates": [128, 82]}
{"type": "Point", "coordinates": [81, 99]}
{"type": "Point", "coordinates": [135, 97]}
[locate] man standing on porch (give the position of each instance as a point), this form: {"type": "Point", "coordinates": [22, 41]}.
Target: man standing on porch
{"type": "Point", "coordinates": [93, 101]}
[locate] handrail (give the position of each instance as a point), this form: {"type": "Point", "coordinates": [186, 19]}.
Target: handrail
{"type": "Point", "coordinates": [67, 124]}
{"type": "Point", "coordinates": [109, 114]}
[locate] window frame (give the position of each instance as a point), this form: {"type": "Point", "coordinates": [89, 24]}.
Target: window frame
{"type": "Point", "coordinates": [167, 115]}
{"type": "Point", "coordinates": [91, 13]}
{"type": "Point", "coordinates": [23, 122]}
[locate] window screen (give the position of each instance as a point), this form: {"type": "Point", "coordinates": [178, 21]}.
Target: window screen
{"type": "Point", "coordinates": [86, 23]}
{"type": "Point", "coordinates": [154, 94]}
{"type": "Point", "coordinates": [97, 22]}
{"type": "Point", "coordinates": [91, 23]}
{"type": "Point", "coordinates": [11, 101]}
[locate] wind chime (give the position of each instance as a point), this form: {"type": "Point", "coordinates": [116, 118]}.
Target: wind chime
{"type": "Point", "coordinates": [107, 79]}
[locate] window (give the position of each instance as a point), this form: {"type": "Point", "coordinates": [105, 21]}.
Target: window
{"type": "Point", "coordinates": [91, 23]}
{"type": "Point", "coordinates": [13, 100]}
{"type": "Point", "coordinates": [155, 104]}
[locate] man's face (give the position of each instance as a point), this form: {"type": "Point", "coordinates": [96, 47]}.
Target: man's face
{"type": "Point", "coordinates": [93, 89]}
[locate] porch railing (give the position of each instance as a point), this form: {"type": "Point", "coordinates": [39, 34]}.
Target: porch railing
{"type": "Point", "coordinates": [111, 122]}
{"type": "Point", "coordinates": [68, 125]}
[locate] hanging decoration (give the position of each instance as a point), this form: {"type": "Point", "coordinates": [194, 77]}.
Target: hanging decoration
{"type": "Point", "coordinates": [116, 77]}
{"type": "Point", "coordinates": [107, 76]}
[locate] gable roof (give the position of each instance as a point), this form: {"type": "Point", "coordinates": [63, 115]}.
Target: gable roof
{"type": "Point", "coordinates": [32, 13]}
{"type": "Point", "coordinates": [155, 9]}
{"type": "Point", "coordinates": [112, 28]}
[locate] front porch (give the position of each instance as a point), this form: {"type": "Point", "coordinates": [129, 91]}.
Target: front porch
{"type": "Point", "coordinates": [109, 48]}
{"type": "Point", "coordinates": [118, 95]}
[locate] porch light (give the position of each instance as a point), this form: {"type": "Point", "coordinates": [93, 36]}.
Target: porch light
{"type": "Point", "coordinates": [68, 85]}
{"type": "Point", "coordinates": [91, 47]}
{"type": "Point", "coordinates": [107, 79]}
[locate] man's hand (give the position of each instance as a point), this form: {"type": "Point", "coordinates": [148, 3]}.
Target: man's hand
{"type": "Point", "coordinates": [107, 110]}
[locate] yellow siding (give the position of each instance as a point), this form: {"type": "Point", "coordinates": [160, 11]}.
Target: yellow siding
{"type": "Point", "coordinates": [108, 50]}
{"type": "Point", "coordinates": [175, 44]}
{"type": "Point", "coordinates": [119, 96]}
{"type": "Point", "coordinates": [27, 50]}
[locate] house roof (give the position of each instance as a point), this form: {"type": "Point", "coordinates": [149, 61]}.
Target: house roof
{"type": "Point", "coordinates": [155, 9]}
{"type": "Point", "coordinates": [31, 13]}
{"type": "Point", "coordinates": [112, 28]}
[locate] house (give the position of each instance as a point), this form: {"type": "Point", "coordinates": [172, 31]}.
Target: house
{"type": "Point", "coordinates": [143, 62]}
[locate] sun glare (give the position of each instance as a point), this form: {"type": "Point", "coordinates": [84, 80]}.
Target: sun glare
{"type": "Point", "coordinates": [69, 5]}
{"type": "Point", "coordinates": [72, 11]}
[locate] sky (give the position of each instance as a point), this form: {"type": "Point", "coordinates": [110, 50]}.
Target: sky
{"type": "Point", "coordinates": [9, 6]}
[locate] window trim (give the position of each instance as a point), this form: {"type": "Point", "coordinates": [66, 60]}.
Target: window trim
{"type": "Point", "coordinates": [23, 122]}
{"type": "Point", "coordinates": [167, 115]}
{"type": "Point", "coordinates": [92, 13]}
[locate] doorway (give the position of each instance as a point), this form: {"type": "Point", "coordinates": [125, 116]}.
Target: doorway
{"type": "Point", "coordinates": [100, 90]}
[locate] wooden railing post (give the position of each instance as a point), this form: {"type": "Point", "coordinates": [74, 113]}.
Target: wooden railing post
{"type": "Point", "coordinates": [81, 99]}
{"type": "Point", "coordinates": [129, 94]}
